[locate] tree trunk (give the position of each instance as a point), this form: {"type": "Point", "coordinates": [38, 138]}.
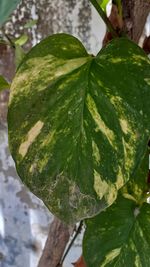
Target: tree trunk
{"type": "Point", "coordinates": [133, 20]}
{"type": "Point", "coordinates": [55, 245]}
{"type": "Point", "coordinates": [135, 13]}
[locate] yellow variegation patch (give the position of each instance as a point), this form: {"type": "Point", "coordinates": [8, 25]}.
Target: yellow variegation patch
{"type": "Point", "coordinates": [110, 256]}
{"type": "Point", "coordinates": [31, 136]}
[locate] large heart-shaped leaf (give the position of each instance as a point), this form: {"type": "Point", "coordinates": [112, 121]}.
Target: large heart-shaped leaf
{"type": "Point", "coordinates": [6, 8]}
{"type": "Point", "coordinates": [78, 124]}
{"type": "Point", "coordinates": [114, 237]}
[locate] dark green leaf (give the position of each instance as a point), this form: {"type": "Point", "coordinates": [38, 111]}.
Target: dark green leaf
{"type": "Point", "coordinates": [119, 236]}
{"type": "Point", "coordinates": [82, 122]}
{"type": "Point", "coordinates": [114, 237]}
{"type": "Point", "coordinates": [6, 8]}
{"type": "Point", "coordinates": [138, 187]}
{"type": "Point", "coordinates": [3, 83]}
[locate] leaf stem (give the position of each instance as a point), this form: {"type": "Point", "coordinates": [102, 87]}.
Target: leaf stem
{"type": "Point", "coordinates": [104, 17]}
{"type": "Point", "coordinates": [10, 42]}
{"type": "Point", "coordinates": [71, 243]}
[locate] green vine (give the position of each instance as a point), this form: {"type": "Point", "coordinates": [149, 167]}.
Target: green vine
{"type": "Point", "coordinates": [105, 18]}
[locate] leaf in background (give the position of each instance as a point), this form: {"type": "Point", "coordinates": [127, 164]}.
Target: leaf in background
{"type": "Point", "coordinates": [30, 23]}
{"type": "Point", "coordinates": [21, 40]}
{"type": "Point", "coordinates": [82, 122]}
{"type": "Point", "coordinates": [6, 8]}
{"type": "Point", "coordinates": [3, 84]}
{"type": "Point", "coordinates": [103, 4]}
{"type": "Point", "coordinates": [19, 55]}
{"type": "Point", "coordinates": [119, 237]}
{"type": "Point", "coordinates": [114, 237]}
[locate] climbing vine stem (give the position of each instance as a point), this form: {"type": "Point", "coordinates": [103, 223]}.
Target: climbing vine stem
{"type": "Point", "coordinates": [104, 17]}
{"type": "Point", "coordinates": [77, 232]}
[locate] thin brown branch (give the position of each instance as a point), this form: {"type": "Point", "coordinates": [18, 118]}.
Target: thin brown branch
{"type": "Point", "coordinates": [77, 232]}
{"type": "Point", "coordinates": [134, 15]}
{"type": "Point", "coordinates": [55, 245]}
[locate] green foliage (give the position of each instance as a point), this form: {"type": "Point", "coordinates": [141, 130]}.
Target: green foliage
{"type": "Point", "coordinates": [103, 4]}
{"type": "Point", "coordinates": [21, 40]}
{"type": "Point", "coordinates": [19, 54]}
{"type": "Point", "coordinates": [82, 122]}
{"type": "Point", "coordinates": [120, 236]}
{"type": "Point", "coordinates": [3, 84]}
{"type": "Point", "coordinates": [6, 8]}
{"type": "Point", "coordinates": [19, 51]}
{"type": "Point", "coordinates": [81, 134]}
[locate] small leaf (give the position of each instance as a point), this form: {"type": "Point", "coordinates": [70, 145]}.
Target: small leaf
{"type": "Point", "coordinates": [3, 84]}
{"type": "Point", "coordinates": [30, 23]}
{"type": "Point", "coordinates": [103, 4]}
{"type": "Point", "coordinates": [78, 118]}
{"type": "Point", "coordinates": [114, 237]}
{"type": "Point", "coordinates": [19, 54]}
{"type": "Point", "coordinates": [6, 8]}
{"type": "Point", "coordinates": [21, 40]}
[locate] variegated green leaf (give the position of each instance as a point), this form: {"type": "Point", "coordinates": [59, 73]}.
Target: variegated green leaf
{"type": "Point", "coordinates": [119, 236]}
{"type": "Point", "coordinates": [114, 237]}
{"type": "Point", "coordinates": [82, 122]}
{"type": "Point", "coordinates": [6, 8]}
{"type": "Point", "coordinates": [138, 186]}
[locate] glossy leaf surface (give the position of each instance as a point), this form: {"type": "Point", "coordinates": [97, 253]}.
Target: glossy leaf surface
{"type": "Point", "coordinates": [6, 8]}
{"type": "Point", "coordinates": [120, 236]}
{"type": "Point", "coordinates": [77, 118]}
